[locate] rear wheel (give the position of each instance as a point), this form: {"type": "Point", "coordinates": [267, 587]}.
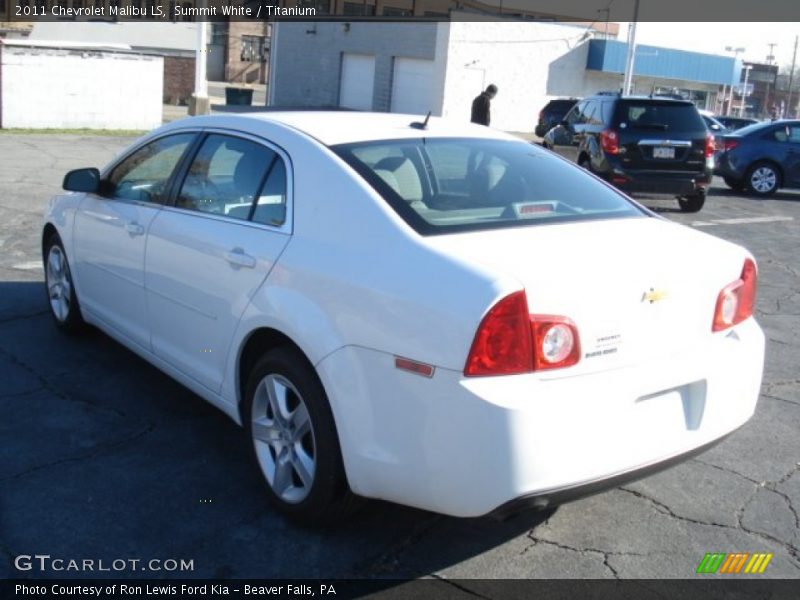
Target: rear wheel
{"type": "Point", "coordinates": [693, 203]}
{"type": "Point", "coordinates": [61, 294]}
{"type": "Point", "coordinates": [585, 163]}
{"type": "Point", "coordinates": [294, 440]}
{"type": "Point", "coordinates": [762, 179]}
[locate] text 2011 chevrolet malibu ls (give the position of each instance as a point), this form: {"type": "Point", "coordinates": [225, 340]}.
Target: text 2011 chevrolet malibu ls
{"type": "Point", "coordinates": [432, 313]}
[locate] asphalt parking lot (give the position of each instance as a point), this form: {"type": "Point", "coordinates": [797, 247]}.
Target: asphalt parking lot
{"type": "Point", "coordinates": [104, 457]}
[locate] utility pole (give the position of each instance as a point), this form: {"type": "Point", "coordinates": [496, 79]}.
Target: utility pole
{"type": "Point", "coordinates": [199, 103]}
{"type": "Point", "coordinates": [771, 55]}
{"type": "Point", "coordinates": [627, 85]}
{"type": "Point", "coordinates": [791, 79]}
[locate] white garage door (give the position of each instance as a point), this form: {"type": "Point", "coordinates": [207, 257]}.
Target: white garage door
{"type": "Point", "coordinates": [357, 81]}
{"type": "Point", "coordinates": [412, 86]}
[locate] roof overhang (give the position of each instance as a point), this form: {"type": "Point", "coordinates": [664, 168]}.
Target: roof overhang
{"type": "Point", "coordinates": [653, 61]}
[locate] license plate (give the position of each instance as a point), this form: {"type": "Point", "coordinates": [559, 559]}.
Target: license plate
{"type": "Point", "coordinates": [663, 152]}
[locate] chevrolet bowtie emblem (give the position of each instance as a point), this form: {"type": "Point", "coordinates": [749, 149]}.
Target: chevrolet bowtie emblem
{"type": "Point", "coordinates": [654, 295]}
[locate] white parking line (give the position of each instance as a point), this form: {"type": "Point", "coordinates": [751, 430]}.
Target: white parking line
{"type": "Point", "coordinates": [31, 265]}
{"type": "Point", "coordinates": [740, 221]}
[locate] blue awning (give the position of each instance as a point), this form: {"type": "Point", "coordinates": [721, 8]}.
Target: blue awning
{"type": "Point", "coordinates": [653, 61]}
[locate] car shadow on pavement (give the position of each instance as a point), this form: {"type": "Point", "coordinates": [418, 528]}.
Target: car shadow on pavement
{"type": "Point", "coordinates": [104, 456]}
{"type": "Point", "coordinates": [788, 195]}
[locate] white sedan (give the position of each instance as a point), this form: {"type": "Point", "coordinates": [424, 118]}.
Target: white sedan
{"type": "Point", "coordinates": [431, 313]}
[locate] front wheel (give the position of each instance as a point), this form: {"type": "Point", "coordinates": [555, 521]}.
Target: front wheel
{"type": "Point", "coordinates": [61, 294]}
{"type": "Point", "coordinates": [692, 203]}
{"type": "Point", "coordinates": [762, 179]}
{"type": "Point", "coordinates": [294, 439]}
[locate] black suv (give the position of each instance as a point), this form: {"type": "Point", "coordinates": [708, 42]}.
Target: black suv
{"type": "Point", "coordinates": [640, 144]}
{"type": "Point", "coordinates": [553, 113]}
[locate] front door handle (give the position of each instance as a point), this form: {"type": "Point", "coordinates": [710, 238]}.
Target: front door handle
{"type": "Point", "coordinates": [238, 258]}
{"type": "Point", "coordinates": [133, 228]}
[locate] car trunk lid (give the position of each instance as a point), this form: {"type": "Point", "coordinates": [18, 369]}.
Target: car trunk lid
{"type": "Point", "coordinates": [637, 289]}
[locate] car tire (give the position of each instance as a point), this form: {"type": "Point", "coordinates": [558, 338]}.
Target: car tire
{"type": "Point", "coordinates": [692, 203]}
{"type": "Point", "coordinates": [60, 289]}
{"type": "Point", "coordinates": [734, 184]}
{"type": "Point", "coordinates": [585, 163]}
{"type": "Point", "coordinates": [762, 179]}
{"type": "Point", "coordinates": [293, 440]}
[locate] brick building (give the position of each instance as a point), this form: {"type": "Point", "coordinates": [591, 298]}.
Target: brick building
{"type": "Point", "coordinates": [238, 51]}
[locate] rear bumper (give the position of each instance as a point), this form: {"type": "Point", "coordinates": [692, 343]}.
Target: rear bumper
{"type": "Point", "coordinates": [727, 166]}
{"type": "Point", "coordinates": [472, 446]}
{"type": "Point", "coordinates": [658, 181]}
{"type": "Point", "coordinates": [679, 184]}
{"type": "Point", "coordinates": [548, 498]}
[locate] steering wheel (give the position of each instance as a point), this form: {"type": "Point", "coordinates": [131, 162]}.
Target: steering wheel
{"type": "Point", "coordinates": [203, 194]}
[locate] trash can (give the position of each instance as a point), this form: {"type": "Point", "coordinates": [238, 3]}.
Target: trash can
{"type": "Point", "coordinates": [238, 96]}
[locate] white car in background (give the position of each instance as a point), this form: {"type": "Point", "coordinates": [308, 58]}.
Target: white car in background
{"type": "Point", "coordinates": [435, 314]}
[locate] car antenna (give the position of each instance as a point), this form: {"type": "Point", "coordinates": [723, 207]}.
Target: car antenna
{"type": "Point", "coordinates": [423, 125]}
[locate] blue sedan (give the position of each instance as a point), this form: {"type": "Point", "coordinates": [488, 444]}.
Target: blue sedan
{"type": "Point", "coordinates": [761, 158]}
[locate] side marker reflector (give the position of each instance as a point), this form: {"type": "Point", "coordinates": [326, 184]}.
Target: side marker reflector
{"type": "Point", "coordinates": [412, 366]}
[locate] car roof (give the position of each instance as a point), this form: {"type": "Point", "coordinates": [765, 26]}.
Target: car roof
{"type": "Point", "coordinates": [760, 125]}
{"type": "Point", "coordinates": [343, 127]}
{"type": "Point", "coordinates": [639, 98]}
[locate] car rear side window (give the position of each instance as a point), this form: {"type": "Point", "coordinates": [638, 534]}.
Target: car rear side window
{"type": "Point", "coordinates": [270, 205]}
{"type": "Point", "coordinates": [648, 115]}
{"type": "Point", "coordinates": [229, 176]}
{"type": "Point", "coordinates": [607, 108]}
{"type": "Point", "coordinates": [442, 185]}
{"type": "Point", "coordinates": [788, 133]}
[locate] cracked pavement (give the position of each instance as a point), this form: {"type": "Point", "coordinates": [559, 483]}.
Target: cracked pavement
{"type": "Point", "coordinates": [102, 456]}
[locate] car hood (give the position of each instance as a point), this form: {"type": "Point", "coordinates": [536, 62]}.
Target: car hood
{"type": "Point", "coordinates": [637, 288]}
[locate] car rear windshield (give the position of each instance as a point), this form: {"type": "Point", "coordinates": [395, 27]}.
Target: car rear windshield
{"type": "Point", "coordinates": [564, 105]}
{"type": "Point", "coordinates": [443, 185]}
{"type": "Point", "coordinates": [649, 115]}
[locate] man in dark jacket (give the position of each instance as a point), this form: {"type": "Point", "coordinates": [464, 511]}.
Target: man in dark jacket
{"type": "Point", "coordinates": [480, 106]}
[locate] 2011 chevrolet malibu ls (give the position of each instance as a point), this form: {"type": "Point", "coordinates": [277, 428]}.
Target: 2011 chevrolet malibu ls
{"type": "Point", "coordinates": [431, 313]}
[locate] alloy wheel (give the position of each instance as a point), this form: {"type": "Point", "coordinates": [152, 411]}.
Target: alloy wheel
{"type": "Point", "coordinates": [283, 436]}
{"type": "Point", "coordinates": [59, 283]}
{"type": "Point", "coordinates": [763, 180]}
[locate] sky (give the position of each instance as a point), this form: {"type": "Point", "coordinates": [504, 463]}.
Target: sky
{"type": "Point", "coordinates": [714, 37]}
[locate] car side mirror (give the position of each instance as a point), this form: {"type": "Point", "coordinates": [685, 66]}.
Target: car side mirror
{"type": "Point", "coordinates": [82, 180]}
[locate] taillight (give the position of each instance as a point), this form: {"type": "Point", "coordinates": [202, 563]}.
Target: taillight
{"type": "Point", "coordinates": [736, 301]}
{"type": "Point", "coordinates": [729, 144]}
{"type": "Point", "coordinates": [709, 146]}
{"type": "Point", "coordinates": [511, 341]}
{"type": "Point", "coordinates": [609, 141]}
{"type": "Point", "coordinates": [502, 344]}
{"type": "Point", "coordinates": [555, 342]}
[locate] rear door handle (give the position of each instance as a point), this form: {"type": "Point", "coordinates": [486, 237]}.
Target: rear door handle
{"type": "Point", "coordinates": [238, 258]}
{"type": "Point", "coordinates": [134, 228]}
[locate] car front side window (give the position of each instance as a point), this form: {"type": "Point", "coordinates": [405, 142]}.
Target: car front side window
{"type": "Point", "coordinates": [143, 176]}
